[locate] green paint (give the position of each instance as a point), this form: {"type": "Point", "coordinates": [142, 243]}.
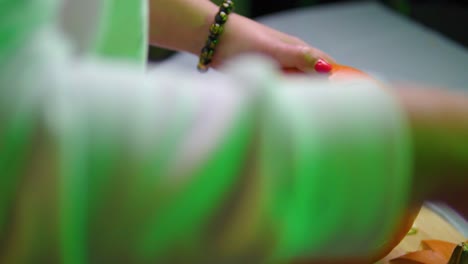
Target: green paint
{"type": "Point", "coordinates": [184, 217]}
{"type": "Point", "coordinates": [15, 143]}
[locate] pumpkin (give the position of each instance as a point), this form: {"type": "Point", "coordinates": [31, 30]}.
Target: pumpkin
{"type": "Point", "coordinates": [343, 73]}
{"type": "Point", "coordinates": [338, 72]}
{"type": "Point", "coordinates": [381, 251]}
{"type": "Point", "coordinates": [442, 247]}
{"type": "Point", "coordinates": [435, 252]}
{"type": "Point", "coordinates": [423, 256]}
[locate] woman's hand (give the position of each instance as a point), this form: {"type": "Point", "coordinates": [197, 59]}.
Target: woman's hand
{"type": "Point", "coordinates": [184, 25]}
{"type": "Point", "coordinates": [243, 35]}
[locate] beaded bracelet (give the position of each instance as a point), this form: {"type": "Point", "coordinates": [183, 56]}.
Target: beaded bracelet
{"type": "Point", "coordinates": [216, 30]}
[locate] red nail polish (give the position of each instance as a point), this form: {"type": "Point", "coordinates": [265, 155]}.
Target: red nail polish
{"type": "Point", "coordinates": [323, 66]}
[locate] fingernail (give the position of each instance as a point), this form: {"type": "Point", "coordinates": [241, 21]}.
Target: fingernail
{"type": "Point", "coordinates": [322, 66]}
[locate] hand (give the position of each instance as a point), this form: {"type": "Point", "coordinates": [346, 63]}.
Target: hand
{"type": "Point", "coordinates": [243, 35]}
{"type": "Point", "coordinates": [184, 25]}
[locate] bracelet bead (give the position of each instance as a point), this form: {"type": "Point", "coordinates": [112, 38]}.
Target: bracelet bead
{"type": "Point", "coordinates": [202, 67]}
{"type": "Point", "coordinates": [221, 18]}
{"type": "Point", "coordinates": [216, 29]}
{"type": "Point", "coordinates": [207, 52]}
{"type": "Point", "coordinates": [211, 42]}
{"type": "Point", "coordinates": [227, 7]}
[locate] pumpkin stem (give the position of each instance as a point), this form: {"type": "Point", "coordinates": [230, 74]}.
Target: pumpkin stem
{"type": "Point", "coordinates": [460, 254]}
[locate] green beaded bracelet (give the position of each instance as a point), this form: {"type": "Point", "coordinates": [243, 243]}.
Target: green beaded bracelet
{"type": "Point", "coordinates": [216, 29]}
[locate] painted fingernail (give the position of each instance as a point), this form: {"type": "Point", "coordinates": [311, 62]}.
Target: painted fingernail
{"type": "Point", "coordinates": [323, 66]}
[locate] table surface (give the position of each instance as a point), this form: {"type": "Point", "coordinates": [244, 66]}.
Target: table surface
{"type": "Point", "coordinates": [371, 37]}
{"type": "Point", "coordinates": [429, 226]}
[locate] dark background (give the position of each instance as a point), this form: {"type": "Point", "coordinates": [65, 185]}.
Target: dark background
{"type": "Point", "coordinates": [449, 17]}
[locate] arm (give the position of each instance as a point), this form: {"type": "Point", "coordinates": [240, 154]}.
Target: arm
{"type": "Point", "coordinates": [184, 24]}
{"type": "Point", "coordinates": [181, 24]}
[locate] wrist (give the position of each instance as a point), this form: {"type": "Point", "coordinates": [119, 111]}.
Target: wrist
{"type": "Point", "coordinates": [215, 36]}
{"type": "Point", "coordinates": [181, 25]}
{"type": "Point", "coordinates": [234, 40]}
{"type": "Point", "coordinates": [202, 32]}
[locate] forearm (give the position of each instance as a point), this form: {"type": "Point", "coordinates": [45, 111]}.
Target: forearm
{"type": "Point", "coordinates": [181, 24]}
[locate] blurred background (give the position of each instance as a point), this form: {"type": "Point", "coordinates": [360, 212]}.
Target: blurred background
{"type": "Point", "coordinates": [447, 17]}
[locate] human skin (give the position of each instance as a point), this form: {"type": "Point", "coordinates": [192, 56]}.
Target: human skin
{"type": "Point", "coordinates": [183, 25]}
